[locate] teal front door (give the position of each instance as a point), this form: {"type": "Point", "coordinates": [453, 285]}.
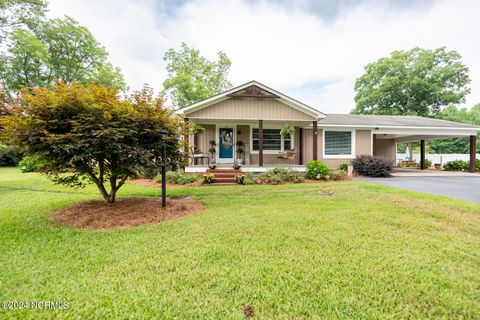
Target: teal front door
{"type": "Point", "coordinates": [225, 144]}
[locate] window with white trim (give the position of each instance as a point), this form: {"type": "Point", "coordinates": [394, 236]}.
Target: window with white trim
{"type": "Point", "coordinates": [338, 143]}
{"type": "Point", "coordinates": [272, 140]}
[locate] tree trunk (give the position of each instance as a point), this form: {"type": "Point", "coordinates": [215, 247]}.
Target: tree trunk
{"type": "Point", "coordinates": [114, 187]}
{"type": "Point", "coordinates": [103, 191]}
{"type": "Point", "coordinates": [111, 198]}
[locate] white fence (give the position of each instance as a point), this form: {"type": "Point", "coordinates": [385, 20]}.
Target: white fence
{"type": "Point", "coordinates": [439, 158]}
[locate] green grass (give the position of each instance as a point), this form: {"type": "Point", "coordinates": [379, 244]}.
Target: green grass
{"type": "Point", "coordinates": [333, 250]}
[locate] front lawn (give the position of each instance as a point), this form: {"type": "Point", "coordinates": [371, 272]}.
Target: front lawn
{"type": "Point", "coordinates": [333, 250]}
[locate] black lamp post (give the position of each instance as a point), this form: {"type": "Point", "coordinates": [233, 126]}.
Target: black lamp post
{"type": "Point", "coordinates": [164, 133]}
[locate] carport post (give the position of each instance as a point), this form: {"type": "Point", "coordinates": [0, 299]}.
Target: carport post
{"type": "Point", "coordinates": [473, 153]}
{"type": "Point", "coordinates": [422, 154]}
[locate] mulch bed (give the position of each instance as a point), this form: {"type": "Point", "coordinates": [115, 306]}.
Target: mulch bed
{"type": "Point", "coordinates": [152, 184]}
{"type": "Point", "coordinates": [124, 213]}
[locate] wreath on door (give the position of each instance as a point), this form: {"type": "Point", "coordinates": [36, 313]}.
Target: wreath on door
{"type": "Point", "coordinates": [227, 139]}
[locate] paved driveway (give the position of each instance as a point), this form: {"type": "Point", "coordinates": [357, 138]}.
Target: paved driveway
{"type": "Point", "coordinates": [461, 187]}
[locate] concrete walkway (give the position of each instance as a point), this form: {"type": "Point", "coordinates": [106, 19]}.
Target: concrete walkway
{"type": "Point", "coordinates": [461, 185]}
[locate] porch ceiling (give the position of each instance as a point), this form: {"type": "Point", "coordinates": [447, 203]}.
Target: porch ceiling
{"type": "Point", "coordinates": [416, 134]}
{"type": "Point", "coordinates": [412, 138]}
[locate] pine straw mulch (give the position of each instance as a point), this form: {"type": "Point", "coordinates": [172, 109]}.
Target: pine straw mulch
{"type": "Point", "coordinates": [124, 213]}
{"type": "Point", "coordinates": [152, 184]}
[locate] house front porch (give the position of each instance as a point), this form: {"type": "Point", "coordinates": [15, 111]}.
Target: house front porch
{"type": "Point", "coordinates": [252, 144]}
{"type": "Point", "coordinates": [244, 168]}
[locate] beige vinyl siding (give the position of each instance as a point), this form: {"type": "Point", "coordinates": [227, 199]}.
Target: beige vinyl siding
{"type": "Point", "coordinates": [210, 134]}
{"type": "Point", "coordinates": [272, 159]}
{"type": "Point", "coordinates": [204, 138]}
{"type": "Point", "coordinates": [308, 144]}
{"type": "Point", "coordinates": [363, 142]}
{"type": "Point", "coordinates": [250, 109]}
{"type": "Point", "coordinates": [363, 145]}
{"type": "Point", "coordinates": [385, 148]}
{"type": "Point", "coordinates": [244, 136]}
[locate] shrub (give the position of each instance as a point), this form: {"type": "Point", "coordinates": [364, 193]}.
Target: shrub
{"type": "Point", "coordinates": [338, 175]}
{"type": "Point", "coordinates": [187, 178]}
{"type": "Point", "coordinates": [274, 179]}
{"type": "Point", "coordinates": [408, 164]}
{"type": "Point", "coordinates": [288, 174]}
{"type": "Point", "coordinates": [105, 125]}
{"type": "Point", "coordinates": [171, 176]}
{"type": "Point", "coordinates": [372, 166]}
{"type": "Point", "coordinates": [428, 163]}
{"type": "Point", "coordinates": [149, 172]}
{"type": "Point", "coordinates": [31, 164]}
{"type": "Point", "coordinates": [413, 164]}
{"type": "Point", "coordinates": [317, 170]}
{"type": "Point", "coordinates": [456, 165]}
{"type": "Point", "coordinates": [177, 177]}
{"type": "Point", "coordinates": [9, 155]}
{"type": "Point", "coordinates": [208, 178]}
{"type": "Point", "coordinates": [478, 165]}
{"type": "Point", "coordinates": [244, 179]}
{"type": "Point", "coordinates": [343, 167]}
{"type": "Point", "coordinates": [278, 175]}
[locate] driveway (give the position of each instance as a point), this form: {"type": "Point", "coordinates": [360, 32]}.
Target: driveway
{"type": "Point", "coordinates": [464, 186]}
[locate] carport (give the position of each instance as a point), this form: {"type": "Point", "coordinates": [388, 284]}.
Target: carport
{"type": "Point", "coordinates": [416, 129]}
{"type": "Point", "coordinates": [388, 130]}
{"type": "Point", "coordinates": [387, 138]}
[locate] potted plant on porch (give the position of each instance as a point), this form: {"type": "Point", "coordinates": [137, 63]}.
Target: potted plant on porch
{"type": "Point", "coordinates": [196, 130]}
{"type": "Point", "coordinates": [239, 152]}
{"type": "Point", "coordinates": [212, 149]}
{"type": "Point", "coordinates": [287, 130]}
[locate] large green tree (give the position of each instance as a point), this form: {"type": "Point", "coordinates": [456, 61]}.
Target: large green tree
{"type": "Point", "coordinates": [192, 77]}
{"type": "Point", "coordinates": [87, 133]}
{"type": "Point", "coordinates": [415, 82]}
{"type": "Point", "coordinates": [456, 145]}
{"type": "Point", "coordinates": [55, 49]}
{"type": "Point", "coordinates": [20, 13]}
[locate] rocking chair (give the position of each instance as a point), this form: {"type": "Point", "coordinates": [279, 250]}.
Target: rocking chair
{"type": "Point", "coordinates": [289, 155]}
{"type": "Point", "coordinates": [197, 156]}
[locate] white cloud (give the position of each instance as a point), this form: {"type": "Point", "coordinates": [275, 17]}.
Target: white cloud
{"type": "Point", "coordinates": [290, 48]}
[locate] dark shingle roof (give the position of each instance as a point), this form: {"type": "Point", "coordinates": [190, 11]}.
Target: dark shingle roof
{"type": "Point", "coordinates": [398, 121]}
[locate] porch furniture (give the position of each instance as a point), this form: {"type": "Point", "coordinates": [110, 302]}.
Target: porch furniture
{"type": "Point", "coordinates": [198, 155]}
{"type": "Point", "coordinates": [289, 155]}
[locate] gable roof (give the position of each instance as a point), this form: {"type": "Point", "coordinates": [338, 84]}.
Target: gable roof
{"type": "Point", "coordinates": [390, 121]}
{"type": "Point", "coordinates": [264, 91]}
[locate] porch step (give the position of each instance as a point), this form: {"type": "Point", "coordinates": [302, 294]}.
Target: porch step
{"type": "Point", "coordinates": [221, 184]}
{"type": "Point", "coordinates": [223, 180]}
{"type": "Point", "coordinates": [224, 176]}
{"type": "Point", "coordinates": [231, 171]}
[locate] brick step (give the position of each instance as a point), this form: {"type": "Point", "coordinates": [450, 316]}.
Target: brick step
{"type": "Point", "coordinates": [220, 184]}
{"type": "Point", "coordinates": [232, 171]}
{"type": "Point", "coordinates": [225, 175]}
{"type": "Point", "coordinates": [223, 180]}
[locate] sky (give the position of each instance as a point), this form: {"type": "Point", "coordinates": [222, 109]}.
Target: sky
{"type": "Point", "coordinates": [310, 50]}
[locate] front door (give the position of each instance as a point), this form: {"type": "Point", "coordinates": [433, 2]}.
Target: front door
{"type": "Point", "coordinates": [225, 144]}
